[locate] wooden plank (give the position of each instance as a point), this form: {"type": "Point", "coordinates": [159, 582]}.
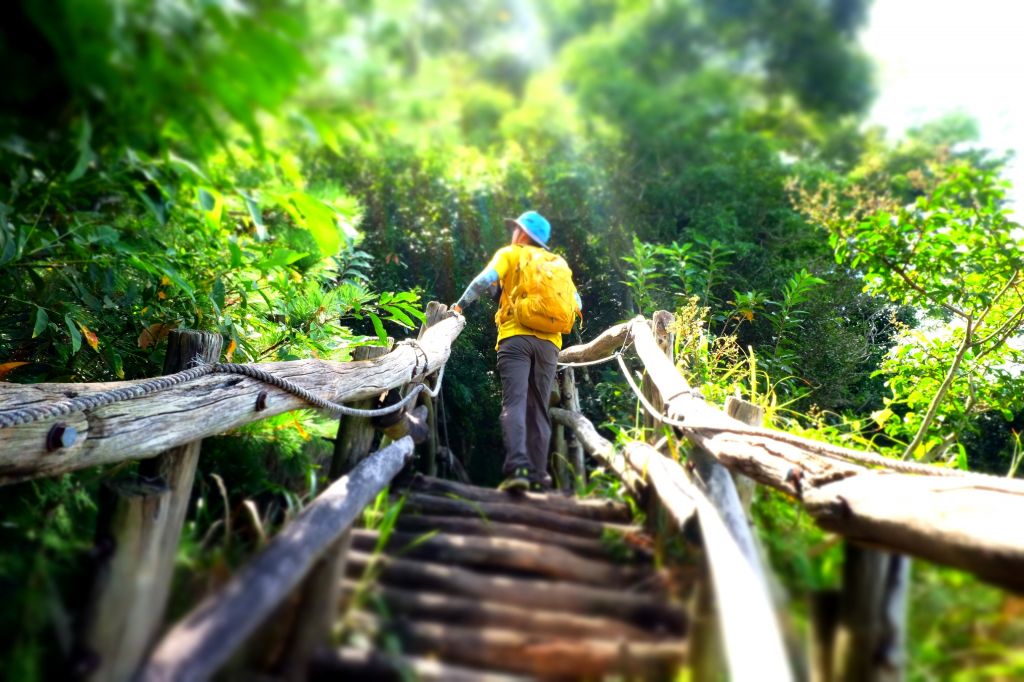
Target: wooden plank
{"type": "Point", "coordinates": [945, 520]}
{"type": "Point", "coordinates": [608, 342]}
{"type": "Point", "coordinates": [648, 611]}
{"type": "Point", "coordinates": [146, 426]}
{"type": "Point", "coordinates": [422, 523]}
{"type": "Point", "coordinates": [198, 645]}
{"type": "Point", "coordinates": [376, 666]}
{"type": "Point", "coordinates": [744, 606]}
{"type": "Point", "coordinates": [446, 608]}
{"type": "Point", "coordinates": [514, 513]}
{"type": "Point", "coordinates": [548, 656]}
{"type": "Point", "coordinates": [587, 508]}
{"type": "Point", "coordinates": [134, 583]}
{"type": "Point", "coordinates": [528, 558]}
{"type": "Point", "coordinates": [598, 447]}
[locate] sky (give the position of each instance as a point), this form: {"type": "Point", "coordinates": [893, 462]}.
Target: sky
{"type": "Point", "coordinates": [939, 56]}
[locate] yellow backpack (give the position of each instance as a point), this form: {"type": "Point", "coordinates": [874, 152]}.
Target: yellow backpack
{"type": "Point", "coordinates": [543, 296]}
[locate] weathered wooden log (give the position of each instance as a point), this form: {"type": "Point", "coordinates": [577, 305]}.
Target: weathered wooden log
{"type": "Point", "coordinates": [942, 519]}
{"type": "Point", "coordinates": [148, 425]}
{"type": "Point", "coordinates": [529, 558]}
{"type": "Point", "coordinates": [608, 342]}
{"type": "Point", "coordinates": [200, 643]}
{"type": "Point", "coordinates": [745, 611]}
{"type": "Point", "coordinates": [316, 611]}
{"type": "Point", "coordinates": [586, 508]}
{"type": "Point", "coordinates": [483, 613]}
{"type": "Point", "coordinates": [423, 523]}
{"type": "Point", "coordinates": [376, 666]}
{"type": "Point", "coordinates": [571, 402]}
{"type": "Point", "coordinates": [648, 611]}
{"type": "Point", "coordinates": [133, 584]}
{"type": "Point", "coordinates": [753, 415]}
{"type": "Point", "coordinates": [547, 657]}
{"type": "Point", "coordinates": [872, 617]}
{"type": "Point", "coordinates": [435, 313]}
{"type": "Point", "coordinates": [355, 434]}
{"type": "Point", "coordinates": [668, 480]}
{"type": "Point", "coordinates": [945, 520]}
{"type": "Point", "coordinates": [598, 447]}
{"type": "Point", "coordinates": [118, 623]}
{"type": "Point", "coordinates": [513, 513]}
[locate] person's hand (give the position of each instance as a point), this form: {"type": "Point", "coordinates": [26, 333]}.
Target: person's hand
{"type": "Point", "coordinates": [455, 308]}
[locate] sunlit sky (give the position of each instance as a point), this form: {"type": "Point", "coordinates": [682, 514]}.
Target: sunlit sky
{"type": "Point", "coordinates": [940, 56]}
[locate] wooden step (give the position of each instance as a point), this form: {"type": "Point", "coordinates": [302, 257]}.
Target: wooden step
{"type": "Point", "coordinates": [373, 666]}
{"type": "Point", "coordinates": [545, 656]}
{"type": "Point", "coordinates": [502, 553]}
{"type": "Point", "coordinates": [456, 610]}
{"type": "Point", "coordinates": [586, 508]}
{"type": "Point", "coordinates": [649, 611]}
{"type": "Point", "coordinates": [464, 525]}
{"type": "Point", "coordinates": [507, 512]}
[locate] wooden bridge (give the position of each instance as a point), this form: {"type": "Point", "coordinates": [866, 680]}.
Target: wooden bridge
{"type": "Point", "coordinates": [449, 581]}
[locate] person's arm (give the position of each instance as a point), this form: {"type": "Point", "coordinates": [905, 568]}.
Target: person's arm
{"type": "Point", "coordinates": [489, 277]}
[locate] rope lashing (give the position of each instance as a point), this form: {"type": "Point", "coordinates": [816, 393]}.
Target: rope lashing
{"type": "Point", "coordinates": [28, 415]}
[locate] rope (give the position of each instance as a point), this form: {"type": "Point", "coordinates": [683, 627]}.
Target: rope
{"type": "Point", "coordinates": [28, 415]}
{"type": "Point", "coordinates": [589, 362]}
{"type": "Point", "coordinates": [825, 449]}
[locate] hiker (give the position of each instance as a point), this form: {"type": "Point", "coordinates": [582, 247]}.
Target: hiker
{"type": "Point", "coordinates": [538, 304]}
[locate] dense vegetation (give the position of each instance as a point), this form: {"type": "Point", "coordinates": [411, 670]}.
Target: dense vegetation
{"type": "Point", "coordinates": [300, 175]}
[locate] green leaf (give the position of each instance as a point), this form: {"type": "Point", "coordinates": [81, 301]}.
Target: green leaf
{"type": "Point", "coordinates": [42, 319]}
{"type": "Point", "coordinates": [378, 327]}
{"type": "Point", "coordinates": [85, 154]}
{"type": "Point", "coordinates": [218, 293]}
{"type": "Point", "coordinates": [257, 217]}
{"type": "Point", "coordinates": [76, 336]}
{"type": "Point", "coordinates": [207, 202]}
{"type": "Point", "coordinates": [236, 254]}
{"type": "Point", "coordinates": [399, 316]}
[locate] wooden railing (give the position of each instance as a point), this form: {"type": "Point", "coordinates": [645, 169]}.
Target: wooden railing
{"type": "Point", "coordinates": [950, 519]}
{"type": "Point", "coordinates": [142, 517]}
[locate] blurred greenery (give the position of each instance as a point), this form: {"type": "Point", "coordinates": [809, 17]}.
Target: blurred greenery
{"type": "Point", "coordinates": [301, 175]}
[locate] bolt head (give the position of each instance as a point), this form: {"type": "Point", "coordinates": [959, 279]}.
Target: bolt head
{"type": "Point", "coordinates": [61, 436]}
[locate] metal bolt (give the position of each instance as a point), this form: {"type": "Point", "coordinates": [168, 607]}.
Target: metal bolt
{"type": "Point", "coordinates": [261, 401]}
{"type": "Point", "coordinates": [61, 436]}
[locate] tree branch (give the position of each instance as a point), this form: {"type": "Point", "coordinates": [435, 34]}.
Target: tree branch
{"type": "Point", "coordinates": [921, 290]}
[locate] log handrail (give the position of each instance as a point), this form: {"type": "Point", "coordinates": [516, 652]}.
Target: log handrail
{"type": "Point", "coordinates": [198, 645]}
{"type": "Point", "coordinates": [942, 519]}
{"type": "Point", "coordinates": [212, 404]}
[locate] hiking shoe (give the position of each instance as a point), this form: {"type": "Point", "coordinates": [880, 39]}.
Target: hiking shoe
{"type": "Point", "coordinates": [518, 482]}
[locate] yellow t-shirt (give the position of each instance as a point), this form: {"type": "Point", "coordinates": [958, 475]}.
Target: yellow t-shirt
{"type": "Point", "coordinates": [504, 263]}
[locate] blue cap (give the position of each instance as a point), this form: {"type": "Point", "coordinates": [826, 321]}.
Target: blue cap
{"type": "Point", "coordinates": [533, 224]}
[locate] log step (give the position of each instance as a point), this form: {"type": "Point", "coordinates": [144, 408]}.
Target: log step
{"type": "Point", "coordinates": [648, 611]}
{"type": "Point", "coordinates": [547, 656]}
{"type": "Point", "coordinates": [586, 547]}
{"type": "Point", "coordinates": [502, 553]}
{"type": "Point", "coordinates": [465, 611]}
{"type": "Point", "coordinates": [509, 512]}
{"type": "Point", "coordinates": [373, 666]}
{"type": "Point", "coordinates": [585, 508]}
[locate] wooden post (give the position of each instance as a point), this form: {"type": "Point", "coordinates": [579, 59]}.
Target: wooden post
{"type": "Point", "coordinates": [560, 453]}
{"type": "Point", "coordinates": [870, 637]}
{"type": "Point", "coordinates": [571, 402]}
{"type": "Point", "coordinates": [435, 313]}
{"type": "Point", "coordinates": [824, 617]}
{"type": "Point", "coordinates": [752, 414]}
{"type": "Point", "coordinates": [355, 434]}
{"type": "Point", "coordinates": [130, 594]}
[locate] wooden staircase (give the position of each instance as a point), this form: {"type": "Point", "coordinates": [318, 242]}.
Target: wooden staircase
{"type": "Point", "coordinates": [475, 584]}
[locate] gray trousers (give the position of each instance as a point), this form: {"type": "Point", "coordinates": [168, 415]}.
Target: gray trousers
{"type": "Point", "coordinates": [526, 366]}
